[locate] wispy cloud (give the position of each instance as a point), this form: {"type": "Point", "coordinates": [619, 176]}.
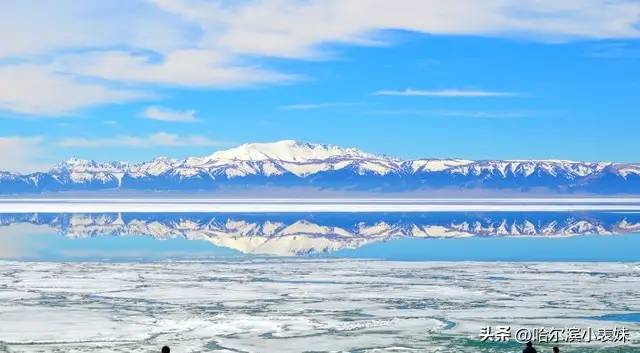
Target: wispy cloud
{"type": "Point", "coordinates": [452, 92]}
{"type": "Point", "coordinates": [614, 51]}
{"type": "Point", "coordinates": [154, 140]}
{"type": "Point", "coordinates": [35, 90]}
{"type": "Point", "coordinates": [290, 28]}
{"type": "Point", "coordinates": [169, 115]}
{"type": "Point", "coordinates": [57, 58]}
{"type": "Point", "coordinates": [454, 113]}
{"type": "Point", "coordinates": [312, 106]}
{"type": "Point", "coordinates": [201, 68]}
{"type": "Point", "coordinates": [22, 154]}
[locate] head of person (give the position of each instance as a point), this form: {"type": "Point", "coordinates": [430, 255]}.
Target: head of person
{"type": "Point", "coordinates": [529, 344]}
{"type": "Point", "coordinates": [166, 349]}
{"type": "Point", "coordinates": [556, 350]}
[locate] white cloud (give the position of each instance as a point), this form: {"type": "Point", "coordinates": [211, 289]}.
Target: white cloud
{"type": "Point", "coordinates": [30, 89]}
{"type": "Point", "coordinates": [188, 67]}
{"type": "Point", "coordinates": [312, 106]}
{"type": "Point", "coordinates": [22, 154]}
{"type": "Point", "coordinates": [297, 28]}
{"type": "Point", "coordinates": [609, 50]}
{"type": "Point", "coordinates": [35, 27]}
{"type": "Point", "coordinates": [74, 52]}
{"type": "Point", "coordinates": [159, 139]}
{"type": "Point", "coordinates": [427, 113]}
{"type": "Point", "coordinates": [444, 93]}
{"type": "Point", "coordinates": [292, 28]}
{"type": "Point", "coordinates": [166, 114]}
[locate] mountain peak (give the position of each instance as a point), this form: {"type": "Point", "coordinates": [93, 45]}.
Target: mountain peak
{"type": "Point", "coordinates": [74, 162]}
{"type": "Point", "coordinates": [80, 165]}
{"type": "Point", "coordinates": [287, 151]}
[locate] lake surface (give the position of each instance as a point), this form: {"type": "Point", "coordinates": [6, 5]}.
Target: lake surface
{"type": "Point", "coordinates": [314, 281]}
{"type": "Point", "coordinates": [305, 305]}
{"type": "Point", "coordinates": [459, 236]}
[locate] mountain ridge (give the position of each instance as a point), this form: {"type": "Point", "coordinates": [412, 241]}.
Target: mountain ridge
{"type": "Point", "coordinates": [290, 164]}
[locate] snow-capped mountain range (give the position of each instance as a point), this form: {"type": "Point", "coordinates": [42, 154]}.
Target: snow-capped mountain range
{"type": "Point", "coordinates": [287, 164]}
{"type": "Point", "coordinates": [299, 235]}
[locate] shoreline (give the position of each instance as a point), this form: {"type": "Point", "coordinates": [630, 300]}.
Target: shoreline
{"type": "Point", "coordinates": [314, 205]}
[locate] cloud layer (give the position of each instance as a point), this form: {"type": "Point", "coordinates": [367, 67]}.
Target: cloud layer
{"type": "Point", "coordinates": [159, 139]}
{"type": "Point", "coordinates": [61, 56]}
{"type": "Point", "coordinates": [169, 115]}
{"type": "Point", "coordinates": [22, 154]}
{"type": "Point", "coordinates": [444, 93]}
{"type": "Point", "coordinates": [35, 90]}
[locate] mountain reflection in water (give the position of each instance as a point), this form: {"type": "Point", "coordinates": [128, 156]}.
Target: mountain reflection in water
{"type": "Point", "coordinates": [303, 234]}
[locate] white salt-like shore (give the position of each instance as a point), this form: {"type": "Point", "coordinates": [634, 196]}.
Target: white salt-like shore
{"type": "Point", "coordinates": [317, 205]}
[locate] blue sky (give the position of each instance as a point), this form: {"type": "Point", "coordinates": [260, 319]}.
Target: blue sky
{"type": "Point", "coordinates": [129, 80]}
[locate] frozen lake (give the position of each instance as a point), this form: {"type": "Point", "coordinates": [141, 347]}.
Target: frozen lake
{"type": "Point", "coordinates": [298, 305]}
{"type": "Point", "coordinates": [314, 281]}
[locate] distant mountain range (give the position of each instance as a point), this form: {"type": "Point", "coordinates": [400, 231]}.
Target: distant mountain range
{"type": "Point", "coordinates": [292, 164]}
{"type": "Point", "coordinates": [296, 234]}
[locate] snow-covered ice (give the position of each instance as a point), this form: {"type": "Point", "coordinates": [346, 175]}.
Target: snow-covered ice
{"type": "Point", "coordinates": [297, 305]}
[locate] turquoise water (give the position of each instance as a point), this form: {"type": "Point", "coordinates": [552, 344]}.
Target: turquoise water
{"type": "Point", "coordinates": [625, 317]}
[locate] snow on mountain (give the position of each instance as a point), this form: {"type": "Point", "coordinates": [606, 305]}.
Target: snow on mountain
{"type": "Point", "coordinates": [527, 168]}
{"type": "Point", "coordinates": [7, 176]}
{"type": "Point", "coordinates": [84, 171]}
{"type": "Point", "coordinates": [300, 159]}
{"type": "Point", "coordinates": [290, 163]}
{"type": "Point", "coordinates": [436, 165]}
{"type": "Point", "coordinates": [288, 151]}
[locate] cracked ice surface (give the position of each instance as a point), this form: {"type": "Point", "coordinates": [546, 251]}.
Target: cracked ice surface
{"type": "Point", "coordinates": [293, 305]}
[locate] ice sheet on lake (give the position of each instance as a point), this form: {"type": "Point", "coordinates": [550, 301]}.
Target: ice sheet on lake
{"type": "Point", "coordinates": [298, 305]}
